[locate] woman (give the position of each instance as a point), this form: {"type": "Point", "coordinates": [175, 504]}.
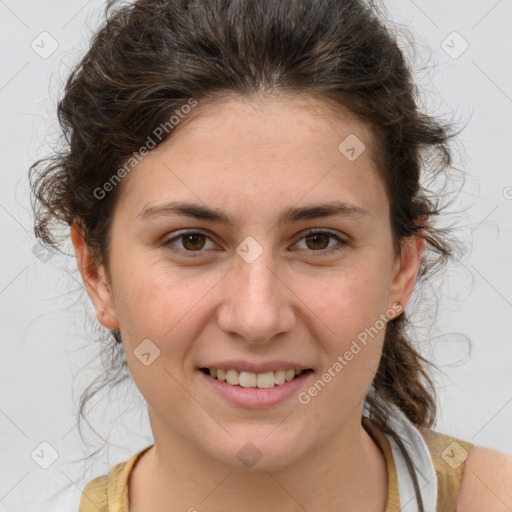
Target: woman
{"type": "Point", "coordinates": [243, 189]}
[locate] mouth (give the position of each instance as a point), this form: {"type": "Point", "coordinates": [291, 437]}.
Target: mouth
{"type": "Point", "coordinates": [245, 379]}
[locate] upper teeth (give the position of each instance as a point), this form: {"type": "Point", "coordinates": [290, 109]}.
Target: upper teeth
{"type": "Point", "coordinates": [253, 380]}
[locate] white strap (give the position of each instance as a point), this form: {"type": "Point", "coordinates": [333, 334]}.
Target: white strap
{"type": "Point", "coordinates": [422, 460]}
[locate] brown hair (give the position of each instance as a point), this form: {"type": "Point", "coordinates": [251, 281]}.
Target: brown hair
{"type": "Point", "coordinates": [150, 57]}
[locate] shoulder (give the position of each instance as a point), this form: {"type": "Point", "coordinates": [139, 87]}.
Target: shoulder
{"type": "Point", "coordinates": [94, 496]}
{"type": "Point", "coordinates": [486, 481]}
{"type": "Point", "coordinates": [470, 478]}
{"type": "Point", "coordinates": [112, 487]}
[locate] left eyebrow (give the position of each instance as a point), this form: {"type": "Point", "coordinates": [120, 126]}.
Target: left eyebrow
{"type": "Point", "coordinates": [288, 215]}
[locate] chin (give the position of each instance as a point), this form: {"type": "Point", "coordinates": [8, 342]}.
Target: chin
{"type": "Point", "coordinates": [261, 452]}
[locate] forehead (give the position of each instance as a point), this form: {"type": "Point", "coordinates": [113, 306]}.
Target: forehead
{"type": "Point", "coordinates": [278, 147]}
{"type": "Point", "coordinates": [280, 120]}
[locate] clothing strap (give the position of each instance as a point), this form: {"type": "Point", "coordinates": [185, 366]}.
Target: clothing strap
{"type": "Point", "coordinates": [438, 460]}
{"type": "Point", "coordinates": [419, 453]}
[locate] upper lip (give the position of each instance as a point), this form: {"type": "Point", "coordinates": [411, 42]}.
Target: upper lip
{"type": "Point", "coordinates": [247, 366]}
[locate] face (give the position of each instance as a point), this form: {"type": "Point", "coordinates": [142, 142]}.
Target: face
{"type": "Point", "coordinates": [273, 289]}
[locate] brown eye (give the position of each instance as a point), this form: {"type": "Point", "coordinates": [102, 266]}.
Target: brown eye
{"type": "Point", "coordinates": [193, 242]}
{"type": "Point", "coordinates": [318, 241]}
{"type": "Point", "coordinates": [189, 242]}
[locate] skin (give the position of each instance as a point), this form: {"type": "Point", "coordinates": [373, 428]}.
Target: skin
{"type": "Point", "coordinates": [252, 158]}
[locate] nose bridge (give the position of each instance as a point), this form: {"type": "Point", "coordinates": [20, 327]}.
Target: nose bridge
{"type": "Point", "coordinates": [257, 277]}
{"type": "Point", "coordinates": [256, 306]}
{"type": "Point", "coordinates": [256, 282]}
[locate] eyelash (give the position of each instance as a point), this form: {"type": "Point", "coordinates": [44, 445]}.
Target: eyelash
{"type": "Point", "coordinates": [323, 252]}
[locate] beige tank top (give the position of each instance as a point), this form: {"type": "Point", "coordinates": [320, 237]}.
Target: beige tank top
{"type": "Point", "coordinates": [109, 493]}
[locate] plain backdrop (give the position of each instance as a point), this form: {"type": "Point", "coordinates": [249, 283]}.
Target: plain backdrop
{"type": "Point", "coordinates": [463, 68]}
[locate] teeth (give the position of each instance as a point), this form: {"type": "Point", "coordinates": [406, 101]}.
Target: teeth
{"type": "Point", "coordinates": [232, 377]}
{"type": "Point", "coordinates": [247, 379]}
{"type": "Point", "coordinates": [265, 380]}
{"type": "Point", "coordinates": [279, 377]}
{"type": "Point", "coordinates": [289, 374]}
{"type": "Point", "coordinates": [254, 380]}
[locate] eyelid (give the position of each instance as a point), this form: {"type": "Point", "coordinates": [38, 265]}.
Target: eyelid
{"type": "Point", "coordinates": [324, 252]}
{"type": "Point", "coordinates": [182, 233]}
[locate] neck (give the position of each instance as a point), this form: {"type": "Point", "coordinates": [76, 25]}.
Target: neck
{"type": "Point", "coordinates": [336, 474]}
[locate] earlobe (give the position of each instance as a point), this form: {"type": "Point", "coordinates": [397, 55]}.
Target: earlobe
{"type": "Point", "coordinates": [95, 280]}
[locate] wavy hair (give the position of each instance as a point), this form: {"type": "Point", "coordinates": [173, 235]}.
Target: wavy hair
{"type": "Point", "coordinates": [149, 57]}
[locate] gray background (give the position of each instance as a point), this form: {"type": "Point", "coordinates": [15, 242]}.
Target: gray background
{"type": "Point", "coordinates": [47, 353]}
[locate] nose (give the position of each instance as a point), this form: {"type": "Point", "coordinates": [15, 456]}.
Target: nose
{"type": "Point", "coordinates": [258, 304]}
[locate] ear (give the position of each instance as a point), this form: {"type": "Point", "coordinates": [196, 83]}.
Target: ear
{"type": "Point", "coordinates": [95, 280]}
{"type": "Point", "coordinates": [406, 268]}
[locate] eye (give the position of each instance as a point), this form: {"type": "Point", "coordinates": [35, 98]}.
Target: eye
{"type": "Point", "coordinates": [317, 241]}
{"type": "Point", "coordinates": [191, 241]}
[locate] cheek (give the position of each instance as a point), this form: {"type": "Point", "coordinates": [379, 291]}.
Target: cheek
{"type": "Point", "coordinates": [350, 308]}
{"type": "Point", "coordinates": [352, 357]}
{"type": "Point", "coordinates": [154, 309]}
{"type": "Point", "coordinates": [164, 304]}
{"type": "Point", "coordinates": [347, 300]}
{"type": "Point", "coordinates": [146, 296]}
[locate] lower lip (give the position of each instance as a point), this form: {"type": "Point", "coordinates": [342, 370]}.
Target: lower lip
{"type": "Point", "coordinates": [254, 398]}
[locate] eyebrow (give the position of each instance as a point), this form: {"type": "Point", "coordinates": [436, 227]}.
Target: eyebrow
{"type": "Point", "coordinates": [288, 215]}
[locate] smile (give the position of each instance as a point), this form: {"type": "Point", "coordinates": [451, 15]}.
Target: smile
{"type": "Point", "coordinates": [255, 390]}
{"type": "Point", "coordinates": [253, 380]}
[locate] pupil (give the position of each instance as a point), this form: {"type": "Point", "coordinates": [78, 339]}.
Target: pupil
{"type": "Point", "coordinates": [315, 238]}
{"type": "Point", "coordinates": [194, 238]}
